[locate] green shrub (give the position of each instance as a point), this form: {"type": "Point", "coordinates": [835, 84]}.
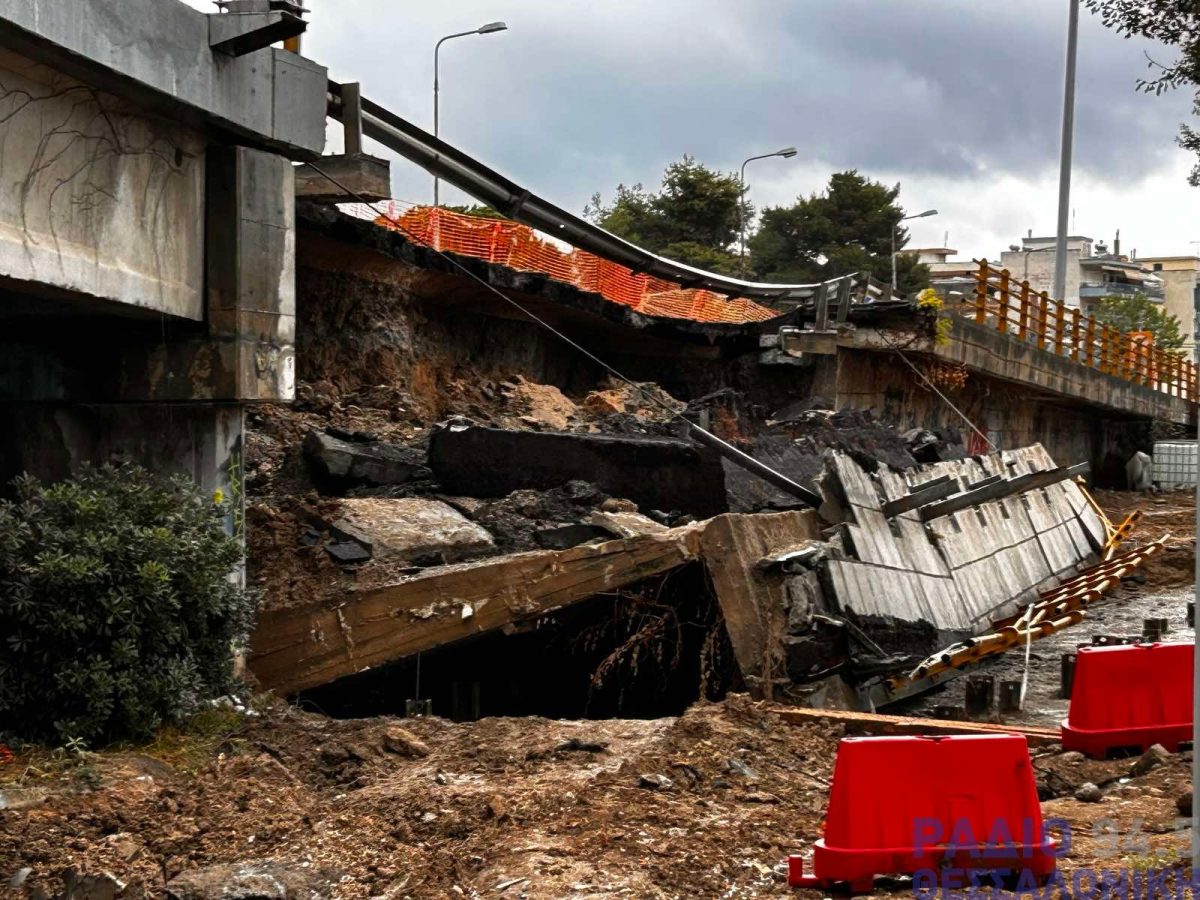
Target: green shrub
{"type": "Point", "coordinates": [116, 610]}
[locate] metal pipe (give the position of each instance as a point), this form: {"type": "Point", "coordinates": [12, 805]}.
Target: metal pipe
{"type": "Point", "coordinates": [1064, 170]}
{"type": "Point", "coordinates": [749, 463]}
{"type": "Point", "coordinates": [520, 204]}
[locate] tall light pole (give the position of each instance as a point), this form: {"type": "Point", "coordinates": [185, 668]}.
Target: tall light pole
{"type": "Point", "coordinates": [1064, 162]}
{"type": "Point", "coordinates": [489, 28]}
{"type": "Point", "coordinates": [895, 228]}
{"type": "Point", "coordinates": [785, 153]}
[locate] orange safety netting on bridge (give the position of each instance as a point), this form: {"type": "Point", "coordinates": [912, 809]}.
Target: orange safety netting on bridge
{"type": "Point", "coordinates": [515, 245]}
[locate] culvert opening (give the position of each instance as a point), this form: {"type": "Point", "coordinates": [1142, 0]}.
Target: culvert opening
{"type": "Point", "coordinates": [650, 650]}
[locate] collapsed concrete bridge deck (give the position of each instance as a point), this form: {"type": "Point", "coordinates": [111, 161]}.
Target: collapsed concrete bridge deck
{"type": "Point", "coordinates": [918, 560]}
{"type": "Point", "coordinates": [914, 563]}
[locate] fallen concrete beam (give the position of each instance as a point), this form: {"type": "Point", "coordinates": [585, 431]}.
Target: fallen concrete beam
{"type": "Point", "coordinates": [655, 473]}
{"type": "Point", "coordinates": [411, 529]}
{"type": "Point", "coordinates": [752, 598]}
{"type": "Point", "coordinates": [297, 648]}
{"type": "Point", "coordinates": [997, 490]}
{"type": "Point", "coordinates": [938, 489]}
{"type": "Point", "coordinates": [341, 464]}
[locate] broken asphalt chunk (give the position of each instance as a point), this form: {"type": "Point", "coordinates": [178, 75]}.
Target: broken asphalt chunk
{"type": "Point", "coordinates": [655, 473]}
{"type": "Point", "coordinates": [341, 464]}
{"type": "Point", "coordinates": [348, 552]}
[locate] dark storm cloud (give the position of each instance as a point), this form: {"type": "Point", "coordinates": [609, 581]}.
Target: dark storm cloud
{"type": "Point", "coordinates": [580, 95]}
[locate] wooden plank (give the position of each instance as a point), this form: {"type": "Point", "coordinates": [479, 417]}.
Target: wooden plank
{"type": "Point", "coordinates": [863, 723]}
{"type": "Point", "coordinates": [752, 600]}
{"type": "Point", "coordinates": [299, 648]}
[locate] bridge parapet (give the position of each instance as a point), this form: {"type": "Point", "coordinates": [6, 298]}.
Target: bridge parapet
{"type": "Point", "coordinates": [1013, 308]}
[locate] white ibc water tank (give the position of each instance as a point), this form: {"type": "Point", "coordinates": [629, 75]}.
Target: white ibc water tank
{"type": "Point", "coordinates": [1174, 464]}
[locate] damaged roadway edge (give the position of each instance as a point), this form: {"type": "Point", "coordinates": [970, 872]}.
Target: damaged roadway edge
{"type": "Point", "coordinates": [297, 648]}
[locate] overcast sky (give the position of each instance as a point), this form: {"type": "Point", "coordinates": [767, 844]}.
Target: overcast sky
{"type": "Point", "coordinates": [958, 100]}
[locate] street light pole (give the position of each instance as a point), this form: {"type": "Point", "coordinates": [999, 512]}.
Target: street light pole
{"type": "Point", "coordinates": [489, 28]}
{"type": "Point", "coordinates": [785, 153]}
{"type": "Point", "coordinates": [1064, 163]}
{"type": "Point", "coordinates": [895, 228]}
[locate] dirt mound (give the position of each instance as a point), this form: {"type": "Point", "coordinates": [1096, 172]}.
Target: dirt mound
{"type": "Point", "coordinates": [442, 808]}
{"type": "Point", "coordinates": [705, 805]}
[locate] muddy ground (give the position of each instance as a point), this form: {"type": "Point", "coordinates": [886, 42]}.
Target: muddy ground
{"type": "Point", "coordinates": [705, 805]}
{"type": "Point", "coordinates": [708, 804]}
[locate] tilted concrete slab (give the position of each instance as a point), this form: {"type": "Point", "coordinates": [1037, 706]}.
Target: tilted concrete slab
{"type": "Point", "coordinates": [296, 648]}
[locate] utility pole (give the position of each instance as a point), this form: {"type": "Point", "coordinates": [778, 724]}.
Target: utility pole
{"type": "Point", "coordinates": [1064, 170]}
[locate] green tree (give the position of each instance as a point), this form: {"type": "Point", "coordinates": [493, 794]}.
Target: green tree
{"type": "Point", "coordinates": [847, 228]}
{"type": "Point", "coordinates": [116, 608]}
{"type": "Point", "coordinates": [1139, 313]}
{"type": "Point", "coordinates": [692, 219]}
{"type": "Point", "coordinates": [479, 210]}
{"type": "Point", "coordinates": [1175, 23]}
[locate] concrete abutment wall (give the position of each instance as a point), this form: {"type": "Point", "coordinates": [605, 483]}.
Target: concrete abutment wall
{"type": "Point", "coordinates": [147, 236]}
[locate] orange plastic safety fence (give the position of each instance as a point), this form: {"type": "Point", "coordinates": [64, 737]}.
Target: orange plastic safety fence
{"type": "Point", "coordinates": [515, 245]}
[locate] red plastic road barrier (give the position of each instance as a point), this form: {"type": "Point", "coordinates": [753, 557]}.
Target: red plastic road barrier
{"type": "Point", "coordinates": [907, 805]}
{"type": "Point", "coordinates": [1130, 696]}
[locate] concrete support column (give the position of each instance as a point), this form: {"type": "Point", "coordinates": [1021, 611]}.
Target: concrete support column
{"type": "Point", "coordinates": [250, 265]}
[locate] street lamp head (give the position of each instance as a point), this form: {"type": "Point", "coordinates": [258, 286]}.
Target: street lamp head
{"type": "Point", "coordinates": [926, 214]}
{"type": "Point", "coordinates": [787, 152]}
{"type": "Point", "coordinates": [492, 27]}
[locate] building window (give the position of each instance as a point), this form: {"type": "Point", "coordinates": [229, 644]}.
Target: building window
{"type": "Point", "coordinates": [1158, 267]}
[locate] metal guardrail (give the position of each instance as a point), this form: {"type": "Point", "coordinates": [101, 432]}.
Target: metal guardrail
{"type": "Point", "coordinates": [522, 205]}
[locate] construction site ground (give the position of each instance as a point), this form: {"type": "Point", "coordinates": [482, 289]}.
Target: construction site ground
{"type": "Point", "coordinates": [708, 804]}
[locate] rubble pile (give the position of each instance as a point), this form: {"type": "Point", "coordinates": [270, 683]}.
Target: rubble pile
{"type": "Point", "coordinates": [449, 471]}
{"type": "Point", "coordinates": [361, 502]}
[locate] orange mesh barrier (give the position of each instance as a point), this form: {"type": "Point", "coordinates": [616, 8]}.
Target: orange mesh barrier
{"type": "Point", "coordinates": [512, 244]}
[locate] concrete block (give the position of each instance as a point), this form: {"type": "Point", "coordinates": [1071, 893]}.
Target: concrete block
{"type": "Point", "coordinates": [368, 176]}
{"type": "Point", "coordinates": [348, 463]}
{"type": "Point", "coordinates": [251, 284]}
{"type": "Point", "coordinates": [156, 53]}
{"type": "Point", "coordinates": [82, 211]}
{"type": "Point", "coordinates": [655, 473]}
{"type": "Point", "coordinates": [411, 529]}
{"type": "Point", "coordinates": [298, 101]}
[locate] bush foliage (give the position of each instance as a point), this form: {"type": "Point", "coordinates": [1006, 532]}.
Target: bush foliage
{"type": "Point", "coordinates": [116, 610]}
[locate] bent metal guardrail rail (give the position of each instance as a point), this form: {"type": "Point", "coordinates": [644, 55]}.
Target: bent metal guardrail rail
{"type": "Point", "coordinates": [1013, 307]}
{"type": "Point", "coordinates": [522, 205]}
